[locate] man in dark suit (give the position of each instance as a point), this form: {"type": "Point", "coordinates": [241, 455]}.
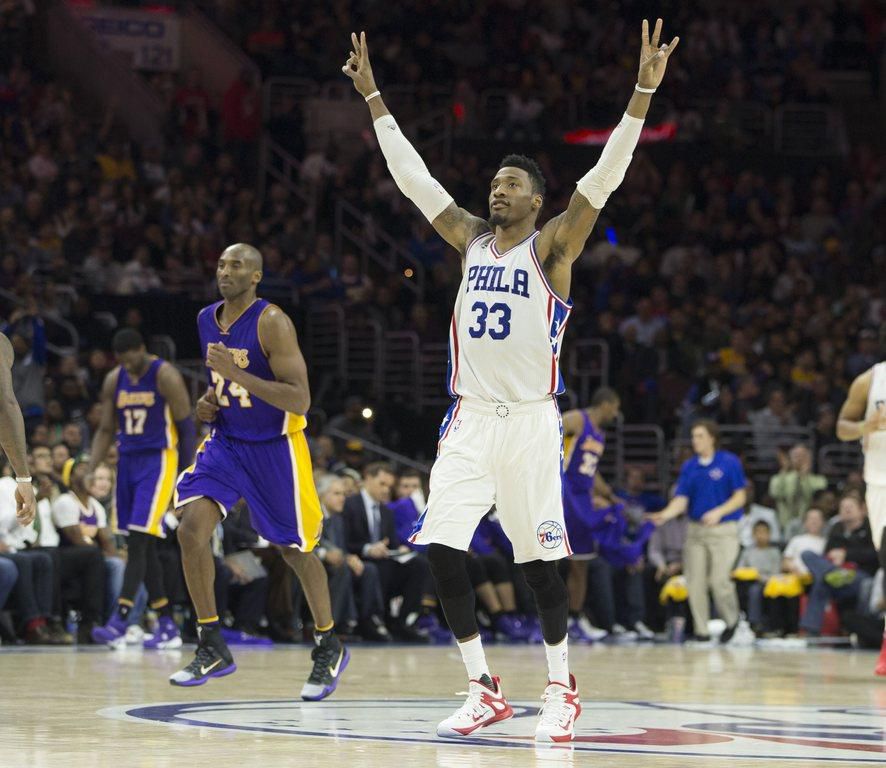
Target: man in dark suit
{"type": "Point", "coordinates": [372, 534]}
{"type": "Point", "coordinates": [348, 573]}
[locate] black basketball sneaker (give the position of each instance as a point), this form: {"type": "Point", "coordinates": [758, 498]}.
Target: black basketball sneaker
{"type": "Point", "coordinates": [212, 659]}
{"type": "Point", "coordinates": [330, 658]}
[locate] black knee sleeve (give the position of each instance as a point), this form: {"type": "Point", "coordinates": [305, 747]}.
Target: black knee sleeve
{"type": "Point", "coordinates": [881, 553]}
{"type": "Point", "coordinates": [551, 598]}
{"type": "Point", "coordinates": [454, 589]}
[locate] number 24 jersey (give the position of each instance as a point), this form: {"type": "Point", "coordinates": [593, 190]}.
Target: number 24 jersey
{"type": "Point", "coordinates": [507, 327]}
{"type": "Point", "coordinates": [242, 415]}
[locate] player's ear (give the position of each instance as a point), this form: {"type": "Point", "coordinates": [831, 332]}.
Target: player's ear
{"type": "Point", "coordinates": [256, 277]}
{"type": "Point", "coordinates": [537, 201]}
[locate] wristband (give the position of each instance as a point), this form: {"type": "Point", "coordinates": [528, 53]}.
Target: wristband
{"type": "Point", "coordinates": [372, 96]}
{"type": "Point", "coordinates": [23, 479]}
{"type": "Point", "coordinates": [643, 90]}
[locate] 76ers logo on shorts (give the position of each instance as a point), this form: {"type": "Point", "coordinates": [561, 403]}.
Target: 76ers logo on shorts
{"type": "Point", "coordinates": [550, 534]}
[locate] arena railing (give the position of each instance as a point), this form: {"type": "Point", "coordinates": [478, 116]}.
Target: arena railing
{"type": "Point", "coordinates": [52, 320]}
{"type": "Point", "coordinates": [379, 452]}
{"type": "Point", "coordinates": [837, 460]}
{"type": "Point", "coordinates": [587, 367]}
{"type": "Point", "coordinates": [758, 446]}
{"type": "Point", "coordinates": [357, 230]}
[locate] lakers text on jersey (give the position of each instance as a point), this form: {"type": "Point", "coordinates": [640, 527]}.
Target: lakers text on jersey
{"type": "Point", "coordinates": [255, 451]}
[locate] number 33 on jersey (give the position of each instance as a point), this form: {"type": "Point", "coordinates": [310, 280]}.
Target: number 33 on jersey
{"type": "Point", "coordinates": [507, 328]}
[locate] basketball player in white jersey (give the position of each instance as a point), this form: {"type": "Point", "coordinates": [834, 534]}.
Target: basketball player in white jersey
{"type": "Point", "coordinates": [863, 417]}
{"type": "Point", "coordinates": [501, 441]}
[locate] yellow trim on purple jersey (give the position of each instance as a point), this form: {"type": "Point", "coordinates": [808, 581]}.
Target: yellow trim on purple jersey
{"type": "Point", "coordinates": [307, 504]}
{"type": "Point", "coordinates": [163, 491]}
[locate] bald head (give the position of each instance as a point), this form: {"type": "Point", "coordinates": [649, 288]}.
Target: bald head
{"type": "Point", "coordinates": [249, 254]}
{"type": "Point", "coordinates": [239, 271]}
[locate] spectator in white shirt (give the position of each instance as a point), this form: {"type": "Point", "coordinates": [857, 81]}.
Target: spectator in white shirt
{"type": "Point", "coordinates": [82, 522]}
{"type": "Point", "coordinates": [811, 540]}
{"type": "Point", "coordinates": [32, 594]}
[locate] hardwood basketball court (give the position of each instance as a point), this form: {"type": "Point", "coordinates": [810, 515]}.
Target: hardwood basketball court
{"type": "Point", "coordinates": [657, 706]}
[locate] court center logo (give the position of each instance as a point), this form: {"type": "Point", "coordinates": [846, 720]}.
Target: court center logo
{"type": "Point", "coordinates": [550, 534]}
{"type": "Point", "coordinates": [809, 735]}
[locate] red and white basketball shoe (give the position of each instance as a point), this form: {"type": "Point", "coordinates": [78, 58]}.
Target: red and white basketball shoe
{"type": "Point", "coordinates": [485, 705]}
{"type": "Point", "coordinates": [561, 708]}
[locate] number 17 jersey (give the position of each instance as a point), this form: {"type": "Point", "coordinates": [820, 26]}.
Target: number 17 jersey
{"type": "Point", "coordinates": [507, 326]}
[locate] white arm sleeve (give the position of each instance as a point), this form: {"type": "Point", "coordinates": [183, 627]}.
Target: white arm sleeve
{"type": "Point", "coordinates": [409, 171]}
{"type": "Point", "coordinates": [603, 179]}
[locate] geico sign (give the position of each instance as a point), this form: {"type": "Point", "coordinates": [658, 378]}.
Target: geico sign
{"type": "Point", "coordinates": [126, 27]}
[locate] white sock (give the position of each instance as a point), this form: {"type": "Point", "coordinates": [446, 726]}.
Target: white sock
{"type": "Point", "coordinates": [474, 658]}
{"type": "Point", "coordinates": [558, 662]}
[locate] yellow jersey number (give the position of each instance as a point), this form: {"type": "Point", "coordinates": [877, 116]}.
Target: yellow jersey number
{"type": "Point", "coordinates": [235, 390]}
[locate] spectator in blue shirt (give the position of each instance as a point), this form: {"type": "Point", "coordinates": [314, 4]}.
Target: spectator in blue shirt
{"type": "Point", "coordinates": [711, 490]}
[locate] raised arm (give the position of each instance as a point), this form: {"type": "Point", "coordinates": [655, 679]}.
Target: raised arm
{"type": "Point", "coordinates": [12, 437]}
{"type": "Point", "coordinates": [290, 390]}
{"type": "Point", "coordinates": [455, 225]}
{"type": "Point", "coordinates": [563, 238]}
{"type": "Point", "coordinates": [107, 427]}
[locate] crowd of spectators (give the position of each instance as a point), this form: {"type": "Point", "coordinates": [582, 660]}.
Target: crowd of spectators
{"type": "Point", "coordinates": [808, 568]}
{"type": "Point", "coordinates": [722, 287]}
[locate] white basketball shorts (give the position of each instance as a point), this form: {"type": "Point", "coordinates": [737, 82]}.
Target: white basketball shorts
{"type": "Point", "coordinates": [875, 500]}
{"type": "Point", "coordinates": [503, 454]}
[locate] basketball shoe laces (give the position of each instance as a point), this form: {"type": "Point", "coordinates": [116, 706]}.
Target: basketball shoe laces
{"type": "Point", "coordinates": [324, 657]}
{"type": "Point", "coordinates": [474, 707]}
{"type": "Point", "coordinates": [556, 709]}
{"type": "Point", "coordinates": [204, 658]}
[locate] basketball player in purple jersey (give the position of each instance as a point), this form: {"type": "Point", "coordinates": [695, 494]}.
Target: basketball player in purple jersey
{"type": "Point", "coordinates": [256, 402]}
{"type": "Point", "coordinates": [501, 441]}
{"type": "Point", "coordinates": [12, 437]}
{"type": "Point", "coordinates": [145, 404]}
{"type": "Point", "coordinates": [585, 441]}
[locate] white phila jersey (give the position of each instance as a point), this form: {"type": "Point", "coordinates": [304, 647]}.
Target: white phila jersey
{"type": "Point", "coordinates": [875, 443]}
{"type": "Point", "coordinates": [507, 327]}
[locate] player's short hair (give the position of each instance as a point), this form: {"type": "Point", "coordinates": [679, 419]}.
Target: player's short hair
{"type": "Point", "coordinates": [375, 468]}
{"type": "Point", "coordinates": [126, 340]}
{"type": "Point", "coordinates": [711, 427]}
{"type": "Point", "coordinates": [604, 395]}
{"type": "Point", "coordinates": [762, 523]}
{"type": "Point", "coordinates": [539, 186]}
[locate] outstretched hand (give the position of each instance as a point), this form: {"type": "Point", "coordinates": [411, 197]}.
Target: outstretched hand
{"type": "Point", "coordinates": [358, 68]}
{"type": "Point", "coordinates": [654, 57]}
